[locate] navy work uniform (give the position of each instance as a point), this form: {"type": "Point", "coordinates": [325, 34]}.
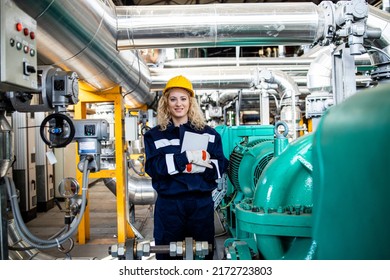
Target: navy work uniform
{"type": "Point", "coordinates": [184, 206]}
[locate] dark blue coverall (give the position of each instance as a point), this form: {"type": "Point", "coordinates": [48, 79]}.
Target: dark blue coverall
{"type": "Point", "coordinates": [184, 206]}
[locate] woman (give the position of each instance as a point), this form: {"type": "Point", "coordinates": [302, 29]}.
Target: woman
{"type": "Point", "coordinates": [184, 180]}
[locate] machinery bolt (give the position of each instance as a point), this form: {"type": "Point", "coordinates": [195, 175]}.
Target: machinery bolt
{"type": "Point", "coordinates": [172, 249]}
{"type": "Point", "coordinates": [113, 250]}
{"type": "Point", "coordinates": [179, 248]}
{"type": "Point", "coordinates": [201, 248]}
{"type": "Point", "coordinates": [228, 255]}
{"type": "Point", "coordinates": [198, 249]}
{"type": "Point", "coordinates": [146, 249]}
{"type": "Point", "coordinates": [117, 251]}
{"type": "Point", "coordinates": [206, 248]}
{"type": "Point", "coordinates": [121, 251]}
{"type": "Point", "coordinates": [297, 209]}
{"type": "Point", "coordinates": [143, 249]}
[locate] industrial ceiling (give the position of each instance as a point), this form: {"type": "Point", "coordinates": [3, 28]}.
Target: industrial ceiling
{"type": "Point", "coordinates": [103, 40]}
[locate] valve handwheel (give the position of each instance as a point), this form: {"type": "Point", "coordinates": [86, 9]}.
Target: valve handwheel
{"type": "Point", "coordinates": [60, 129]}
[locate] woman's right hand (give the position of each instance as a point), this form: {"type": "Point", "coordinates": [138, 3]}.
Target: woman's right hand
{"type": "Point", "coordinates": [199, 157]}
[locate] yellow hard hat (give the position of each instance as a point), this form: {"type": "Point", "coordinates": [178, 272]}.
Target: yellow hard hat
{"type": "Point", "coordinates": [179, 82]}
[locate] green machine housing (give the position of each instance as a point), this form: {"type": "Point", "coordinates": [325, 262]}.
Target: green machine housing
{"type": "Point", "coordinates": [321, 196]}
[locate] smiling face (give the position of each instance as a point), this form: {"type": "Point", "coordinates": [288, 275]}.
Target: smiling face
{"type": "Point", "coordinates": [178, 105]}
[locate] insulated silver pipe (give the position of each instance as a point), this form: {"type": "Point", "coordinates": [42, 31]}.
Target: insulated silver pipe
{"type": "Point", "coordinates": [139, 189]}
{"type": "Point", "coordinates": [207, 77]}
{"type": "Point", "coordinates": [229, 77]}
{"type": "Point", "coordinates": [380, 19]}
{"type": "Point", "coordinates": [81, 36]}
{"type": "Point", "coordinates": [297, 63]}
{"type": "Point", "coordinates": [297, 69]}
{"type": "Point", "coordinates": [286, 86]}
{"type": "Point", "coordinates": [242, 61]}
{"type": "Point", "coordinates": [319, 76]}
{"type": "Point", "coordinates": [212, 25]}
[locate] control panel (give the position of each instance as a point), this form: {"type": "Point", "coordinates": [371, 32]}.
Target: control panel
{"type": "Point", "coordinates": [18, 49]}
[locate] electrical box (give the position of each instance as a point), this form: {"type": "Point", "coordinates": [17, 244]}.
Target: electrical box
{"type": "Point", "coordinates": [89, 134]}
{"type": "Point", "coordinates": [131, 128]}
{"type": "Point", "coordinates": [18, 47]}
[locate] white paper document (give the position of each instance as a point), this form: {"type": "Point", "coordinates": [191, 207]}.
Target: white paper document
{"type": "Point", "coordinates": [194, 141]}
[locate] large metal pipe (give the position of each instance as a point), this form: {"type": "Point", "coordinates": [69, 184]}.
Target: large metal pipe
{"type": "Point", "coordinates": [223, 78]}
{"type": "Point", "coordinates": [81, 36]}
{"type": "Point", "coordinates": [207, 77]}
{"type": "Point", "coordinates": [212, 25]}
{"type": "Point", "coordinates": [242, 61]}
{"type": "Point", "coordinates": [380, 19]}
{"type": "Point", "coordinates": [319, 76]}
{"type": "Point", "coordinates": [139, 189]}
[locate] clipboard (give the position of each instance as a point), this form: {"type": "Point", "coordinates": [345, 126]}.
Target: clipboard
{"type": "Point", "coordinates": [194, 141]}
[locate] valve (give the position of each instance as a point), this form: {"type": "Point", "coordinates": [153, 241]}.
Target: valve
{"type": "Point", "coordinates": [60, 129]}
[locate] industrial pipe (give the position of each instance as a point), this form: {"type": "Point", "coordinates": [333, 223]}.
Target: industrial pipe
{"type": "Point", "coordinates": [319, 76]}
{"type": "Point", "coordinates": [208, 77]}
{"type": "Point", "coordinates": [212, 25]}
{"type": "Point", "coordinates": [242, 61]}
{"type": "Point", "coordinates": [81, 36]}
{"type": "Point", "coordinates": [139, 189]}
{"type": "Point", "coordinates": [288, 91]}
{"type": "Point", "coordinates": [379, 19]}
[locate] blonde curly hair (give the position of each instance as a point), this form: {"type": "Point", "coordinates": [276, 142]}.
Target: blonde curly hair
{"type": "Point", "coordinates": [195, 114]}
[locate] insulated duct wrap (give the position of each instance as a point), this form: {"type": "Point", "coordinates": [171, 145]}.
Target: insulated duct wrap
{"type": "Point", "coordinates": [212, 25]}
{"type": "Point", "coordinates": [140, 190]}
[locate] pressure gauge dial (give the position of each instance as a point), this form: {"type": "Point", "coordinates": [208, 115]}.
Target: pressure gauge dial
{"type": "Point", "coordinates": [68, 187]}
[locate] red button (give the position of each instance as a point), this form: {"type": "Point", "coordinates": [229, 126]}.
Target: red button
{"type": "Point", "coordinates": [19, 26]}
{"type": "Point", "coordinates": [25, 31]}
{"type": "Point", "coordinates": [32, 35]}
